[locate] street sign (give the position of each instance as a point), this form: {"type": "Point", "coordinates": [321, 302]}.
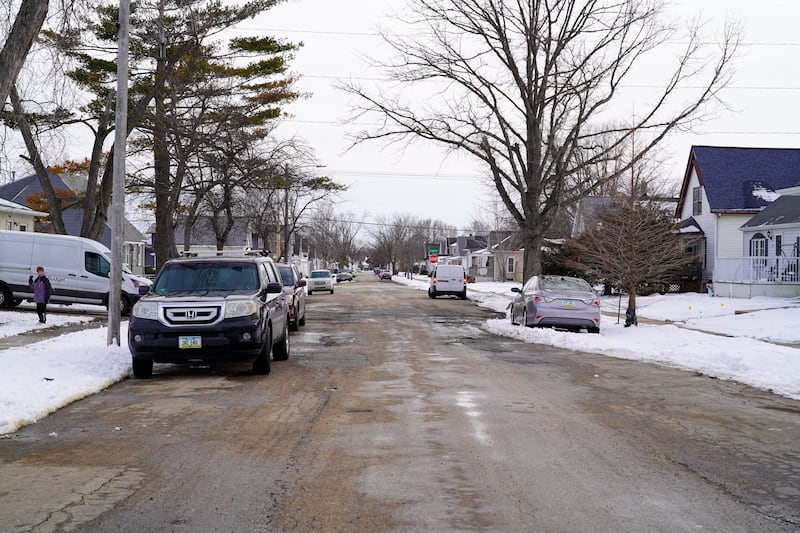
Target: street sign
{"type": "Point", "coordinates": [433, 258]}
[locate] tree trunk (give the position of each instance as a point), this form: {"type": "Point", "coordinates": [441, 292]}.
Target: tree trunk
{"type": "Point", "coordinates": [89, 226]}
{"type": "Point", "coordinates": [165, 246]}
{"type": "Point", "coordinates": [53, 202]}
{"type": "Point", "coordinates": [30, 18]}
{"type": "Point", "coordinates": [630, 312]}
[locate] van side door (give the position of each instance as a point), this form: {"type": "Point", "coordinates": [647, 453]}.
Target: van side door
{"type": "Point", "coordinates": [61, 265]}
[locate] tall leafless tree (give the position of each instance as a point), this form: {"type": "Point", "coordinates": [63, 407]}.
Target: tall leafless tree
{"type": "Point", "coordinates": [529, 87]}
{"type": "Point", "coordinates": [18, 42]}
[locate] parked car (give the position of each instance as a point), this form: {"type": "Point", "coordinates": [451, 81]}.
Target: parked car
{"type": "Point", "coordinates": [386, 274]}
{"type": "Point", "coordinates": [448, 279]}
{"type": "Point", "coordinates": [344, 275]}
{"type": "Point", "coordinates": [203, 311]}
{"type": "Point", "coordinates": [556, 301]}
{"type": "Point", "coordinates": [320, 280]}
{"type": "Point", "coordinates": [294, 288]}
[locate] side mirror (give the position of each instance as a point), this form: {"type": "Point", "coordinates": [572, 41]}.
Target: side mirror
{"type": "Point", "coordinates": [144, 289]}
{"type": "Point", "coordinates": [301, 283]}
{"type": "Point", "coordinates": [516, 289]}
{"type": "Point", "coordinates": [274, 288]}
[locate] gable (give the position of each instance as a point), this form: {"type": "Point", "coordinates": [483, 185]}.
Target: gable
{"type": "Point", "coordinates": [741, 179]}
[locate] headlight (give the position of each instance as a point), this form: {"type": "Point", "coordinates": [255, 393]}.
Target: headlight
{"type": "Point", "coordinates": [148, 310]}
{"type": "Point", "coordinates": [239, 308]}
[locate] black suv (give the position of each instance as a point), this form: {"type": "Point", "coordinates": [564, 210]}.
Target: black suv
{"type": "Point", "coordinates": [201, 311]}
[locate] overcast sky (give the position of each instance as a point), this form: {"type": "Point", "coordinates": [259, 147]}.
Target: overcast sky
{"type": "Point", "coordinates": [762, 100]}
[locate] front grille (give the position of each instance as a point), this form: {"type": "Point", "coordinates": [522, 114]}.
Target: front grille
{"type": "Point", "coordinates": [195, 315]}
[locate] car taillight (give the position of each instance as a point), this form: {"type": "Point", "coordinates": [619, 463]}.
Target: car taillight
{"type": "Point", "coordinates": [596, 302]}
{"type": "Point", "coordinates": [433, 279]}
{"type": "Point", "coordinates": [538, 299]}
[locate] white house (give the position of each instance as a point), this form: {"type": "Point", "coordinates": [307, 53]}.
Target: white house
{"type": "Point", "coordinates": [723, 189]}
{"type": "Point", "coordinates": [16, 217]}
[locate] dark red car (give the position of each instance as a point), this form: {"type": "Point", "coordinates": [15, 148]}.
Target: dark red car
{"type": "Point", "coordinates": [294, 287]}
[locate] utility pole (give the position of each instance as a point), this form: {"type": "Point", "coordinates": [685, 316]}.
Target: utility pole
{"type": "Point", "coordinates": [118, 187]}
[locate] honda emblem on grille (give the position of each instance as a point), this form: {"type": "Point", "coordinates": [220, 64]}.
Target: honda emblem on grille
{"type": "Point", "coordinates": [191, 314]}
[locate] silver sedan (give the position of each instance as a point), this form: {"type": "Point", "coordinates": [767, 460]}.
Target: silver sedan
{"type": "Point", "coordinates": [556, 301]}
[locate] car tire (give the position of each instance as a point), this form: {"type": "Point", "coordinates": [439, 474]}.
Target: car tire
{"type": "Point", "coordinates": [261, 364]}
{"type": "Point", "coordinates": [511, 314]}
{"type": "Point", "coordinates": [432, 294]}
{"type": "Point", "coordinates": [331, 291]}
{"type": "Point", "coordinates": [302, 321]}
{"type": "Point", "coordinates": [142, 368]}
{"type": "Point", "coordinates": [463, 295]}
{"type": "Point", "coordinates": [594, 330]}
{"type": "Point", "coordinates": [525, 317]}
{"type": "Point", "coordinates": [280, 351]}
{"type": "Point", "coordinates": [310, 293]}
{"type": "Point", "coordinates": [5, 297]}
{"type": "Point", "coordinates": [293, 324]}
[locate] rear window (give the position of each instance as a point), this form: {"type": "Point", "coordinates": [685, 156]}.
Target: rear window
{"type": "Point", "coordinates": [565, 284]}
{"type": "Point", "coordinates": [207, 277]}
{"type": "Point", "coordinates": [320, 274]}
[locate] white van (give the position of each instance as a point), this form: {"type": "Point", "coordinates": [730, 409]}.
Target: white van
{"type": "Point", "coordinates": [448, 279]}
{"type": "Point", "coordinates": [78, 270]}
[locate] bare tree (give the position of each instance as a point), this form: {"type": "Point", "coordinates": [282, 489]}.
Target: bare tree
{"type": "Point", "coordinates": [527, 87]}
{"type": "Point", "coordinates": [632, 241]}
{"type": "Point", "coordinates": [27, 24]}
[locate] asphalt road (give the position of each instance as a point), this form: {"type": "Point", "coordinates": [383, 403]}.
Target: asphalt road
{"type": "Point", "coordinates": [398, 413]}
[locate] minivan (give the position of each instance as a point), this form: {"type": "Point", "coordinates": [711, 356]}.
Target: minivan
{"type": "Point", "coordinates": [78, 269]}
{"type": "Point", "coordinates": [448, 279]}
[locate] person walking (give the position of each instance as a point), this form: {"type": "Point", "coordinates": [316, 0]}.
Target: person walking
{"type": "Point", "coordinates": [41, 293]}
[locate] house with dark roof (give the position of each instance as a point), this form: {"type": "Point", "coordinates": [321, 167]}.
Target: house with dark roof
{"type": "Point", "coordinates": [133, 247]}
{"type": "Point", "coordinates": [725, 194]}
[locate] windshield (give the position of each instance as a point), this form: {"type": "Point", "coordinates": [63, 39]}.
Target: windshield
{"type": "Point", "coordinates": [321, 274]}
{"type": "Point", "coordinates": [204, 278]}
{"type": "Point", "coordinates": [286, 276]}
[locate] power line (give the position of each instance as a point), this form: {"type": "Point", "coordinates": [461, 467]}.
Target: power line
{"type": "Point", "coordinates": [376, 34]}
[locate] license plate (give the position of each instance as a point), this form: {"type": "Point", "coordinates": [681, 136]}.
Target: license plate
{"type": "Point", "coordinates": [568, 303]}
{"type": "Point", "coordinates": [190, 341]}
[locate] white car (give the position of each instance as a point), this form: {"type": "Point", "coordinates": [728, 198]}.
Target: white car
{"type": "Point", "coordinates": [320, 280]}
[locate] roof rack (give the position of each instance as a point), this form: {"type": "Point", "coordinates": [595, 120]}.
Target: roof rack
{"type": "Point", "coordinates": [246, 252]}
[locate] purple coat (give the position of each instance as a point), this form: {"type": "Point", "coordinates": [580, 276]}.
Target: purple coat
{"type": "Point", "coordinates": [41, 289]}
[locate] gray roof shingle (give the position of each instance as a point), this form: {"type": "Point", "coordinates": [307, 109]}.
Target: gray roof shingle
{"type": "Point", "coordinates": [784, 210]}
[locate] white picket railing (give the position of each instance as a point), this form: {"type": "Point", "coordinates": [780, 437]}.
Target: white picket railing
{"type": "Point", "coordinates": [757, 269]}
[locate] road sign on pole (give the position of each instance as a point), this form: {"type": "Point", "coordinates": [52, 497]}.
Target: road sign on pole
{"type": "Point", "coordinates": [433, 258]}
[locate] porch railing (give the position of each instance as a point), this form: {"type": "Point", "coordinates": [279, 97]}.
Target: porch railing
{"type": "Point", "coordinates": [757, 269]}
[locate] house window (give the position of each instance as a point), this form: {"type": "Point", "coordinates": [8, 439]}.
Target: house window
{"type": "Point", "coordinates": [697, 201]}
{"type": "Point", "coordinates": [510, 265]}
{"type": "Point", "coordinates": [9, 225]}
{"type": "Point", "coordinates": [23, 227]}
